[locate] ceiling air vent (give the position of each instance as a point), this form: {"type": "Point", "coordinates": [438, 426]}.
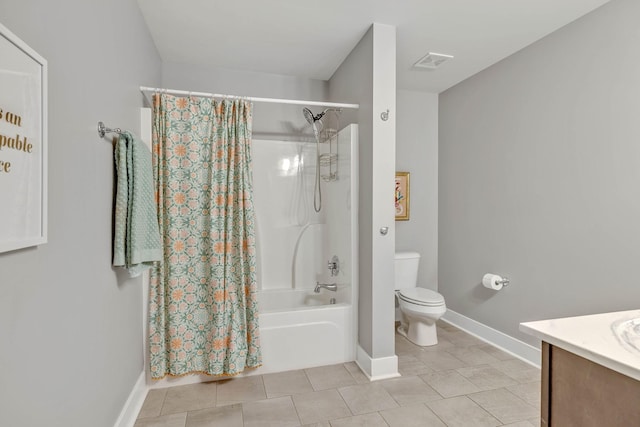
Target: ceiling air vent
{"type": "Point", "coordinates": [432, 60]}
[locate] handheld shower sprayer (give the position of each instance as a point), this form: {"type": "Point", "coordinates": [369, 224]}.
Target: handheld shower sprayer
{"type": "Point", "coordinates": [311, 118]}
{"type": "Point", "coordinates": [315, 120]}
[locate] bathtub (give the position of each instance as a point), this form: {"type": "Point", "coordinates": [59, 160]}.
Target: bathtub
{"type": "Point", "coordinates": [301, 329]}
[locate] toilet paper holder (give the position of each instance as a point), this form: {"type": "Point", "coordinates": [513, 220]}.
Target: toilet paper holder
{"type": "Point", "coordinates": [494, 281]}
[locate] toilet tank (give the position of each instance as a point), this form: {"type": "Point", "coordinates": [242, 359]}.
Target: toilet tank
{"type": "Point", "coordinates": [406, 269]}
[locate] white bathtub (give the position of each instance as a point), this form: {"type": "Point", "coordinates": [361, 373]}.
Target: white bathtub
{"type": "Point", "coordinates": [300, 329]}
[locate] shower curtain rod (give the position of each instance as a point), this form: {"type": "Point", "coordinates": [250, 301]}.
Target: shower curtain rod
{"type": "Point", "coordinates": [145, 90]}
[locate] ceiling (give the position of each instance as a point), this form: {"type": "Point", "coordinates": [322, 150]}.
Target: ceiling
{"type": "Point", "coordinates": [311, 38]}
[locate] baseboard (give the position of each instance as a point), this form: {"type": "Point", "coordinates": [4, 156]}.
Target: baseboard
{"type": "Point", "coordinates": [504, 342]}
{"type": "Point", "coordinates": [133, 404]}
{"type": "Point", "coordinates": [377, 369]}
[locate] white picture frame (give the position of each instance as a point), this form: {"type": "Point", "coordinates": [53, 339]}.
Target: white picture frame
{"type": "Point", "coordinates": [23, 144]}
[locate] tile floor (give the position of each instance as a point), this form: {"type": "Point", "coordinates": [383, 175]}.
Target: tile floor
{"type": "Point", "coordinates": [461, 382]}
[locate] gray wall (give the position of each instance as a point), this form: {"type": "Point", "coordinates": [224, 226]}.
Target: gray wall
{"type": "Point", "coordinates": [344, 88]}
{"type": "Point", "coordinates": [417, 153]}
{"type": "Point", "coordinates": [270, 121]}
{"type": "Point", "coordinates": [70, 326]}
{"type": "Point", "coordinates": [383, 186]}
{"type": "Point", "coordinates": [367, 77]}
{"type": "Point", "coordinates": [540, 177]}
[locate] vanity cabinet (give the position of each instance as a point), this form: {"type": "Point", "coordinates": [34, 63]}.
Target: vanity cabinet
{"type": "Point", "coordinates": [577, 392]}
{"type": "Point", "coordinates": [590, 369]}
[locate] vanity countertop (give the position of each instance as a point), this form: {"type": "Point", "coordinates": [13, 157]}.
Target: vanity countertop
{"type": "Point", "coordinates": [595, 337]}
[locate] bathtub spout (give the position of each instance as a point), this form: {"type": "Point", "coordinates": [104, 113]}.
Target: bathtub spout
{"type": "Point", "coordinates": [330, 287]}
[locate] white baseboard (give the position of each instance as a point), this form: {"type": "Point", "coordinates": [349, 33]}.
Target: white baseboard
{"type": "Point", "coordinates": [133, 404]}
{"type": "Point", "coordinates": [515, 347]}
{"type": "Point", "coordinates": [377, 369]}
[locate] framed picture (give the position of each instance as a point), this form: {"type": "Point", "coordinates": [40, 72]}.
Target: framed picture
{"type": "Point", "coordinates": [402, 196]}
{"type": "Point", "coordinates": [23, 144]}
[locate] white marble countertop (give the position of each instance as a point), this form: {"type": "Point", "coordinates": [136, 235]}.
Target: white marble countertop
{"type": "Point", "coordinates": [594, 337]}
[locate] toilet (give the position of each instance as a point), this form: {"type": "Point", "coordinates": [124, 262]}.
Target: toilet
{"type": "Point", "coordinates": [420, 307]}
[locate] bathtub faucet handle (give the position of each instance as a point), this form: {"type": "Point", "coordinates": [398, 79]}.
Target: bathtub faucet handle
{"type": "Point", "coordinates": [334, 266]}
{"type": "Point", "coordinates": [330, 287]}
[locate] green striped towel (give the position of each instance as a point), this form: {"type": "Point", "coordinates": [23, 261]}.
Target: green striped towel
{"type": "Point", "coordinates": [136, 241]}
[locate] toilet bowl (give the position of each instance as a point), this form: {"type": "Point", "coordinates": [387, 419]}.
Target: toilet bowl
{"type": "Point", "coordinates": [420, 307]}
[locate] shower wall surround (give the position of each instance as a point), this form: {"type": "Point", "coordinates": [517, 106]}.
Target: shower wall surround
{"type": "Point", "coordinates": [294, 242]}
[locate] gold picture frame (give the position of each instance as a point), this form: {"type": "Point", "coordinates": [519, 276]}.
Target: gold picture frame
{"type": "Point", "coordinates": [402, 196]}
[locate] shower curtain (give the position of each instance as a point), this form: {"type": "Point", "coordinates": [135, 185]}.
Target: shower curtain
{"type": "Point", "coordinates": [203, 314]}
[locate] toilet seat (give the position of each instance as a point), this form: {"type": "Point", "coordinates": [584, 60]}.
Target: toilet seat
{"type": "Point", "coordinates": [421, 296]}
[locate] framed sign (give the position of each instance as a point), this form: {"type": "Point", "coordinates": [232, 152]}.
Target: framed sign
{"type": "Point", "coordinates": [402, 196]}
{"type": "Point", "coordinates": [23, 144]}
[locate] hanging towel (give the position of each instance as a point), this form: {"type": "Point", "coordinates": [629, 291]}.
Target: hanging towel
{"type": "Point", "coordinates": [136, 242]}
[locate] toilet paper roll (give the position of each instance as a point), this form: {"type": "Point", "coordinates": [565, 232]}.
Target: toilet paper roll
{"type": "Point", "coordinates": [492, 281]}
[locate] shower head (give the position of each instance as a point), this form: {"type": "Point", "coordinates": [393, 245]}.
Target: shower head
{"type": "Point", "coordinates": [308, 115]}
{"type": "Point", "coordinates": [315, 120]}
{"type": "Point", "coordinates": [311, 118]}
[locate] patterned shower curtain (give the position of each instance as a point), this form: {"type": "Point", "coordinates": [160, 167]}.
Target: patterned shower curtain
{"type": "Point", "coordinates": [203, 314]}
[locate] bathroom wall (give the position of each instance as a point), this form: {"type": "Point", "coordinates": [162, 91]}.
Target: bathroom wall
{"type": "Point", "coordinates": [70, 325]}
{"type": "Point", "coordinates": [367, 77]}
{"type": "Point", "coordinates": [342, 86]}
{"type": "Point", "coordinates": [417, 153]}
{"type": "Point", "coordinates": [540, 177]}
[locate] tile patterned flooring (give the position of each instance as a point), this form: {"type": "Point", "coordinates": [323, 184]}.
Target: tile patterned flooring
{"type": "Point", "coordinates": [460, 382]}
